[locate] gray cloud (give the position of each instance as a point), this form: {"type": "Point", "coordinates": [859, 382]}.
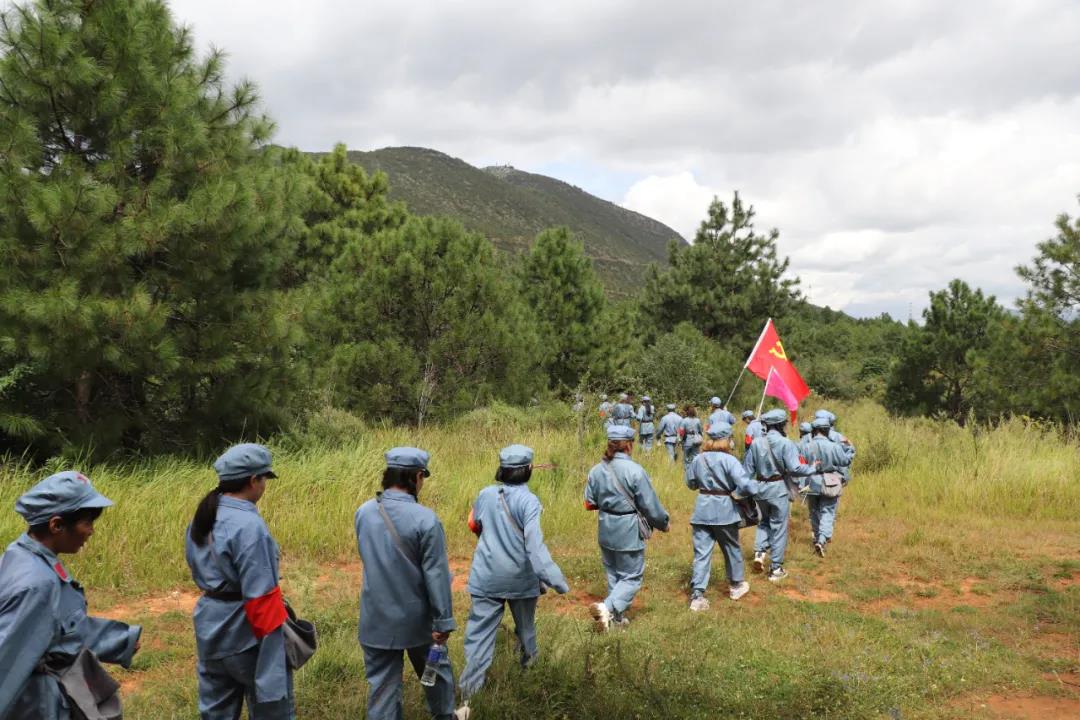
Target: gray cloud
{"type": "Point", "coordinates": [896, 144]}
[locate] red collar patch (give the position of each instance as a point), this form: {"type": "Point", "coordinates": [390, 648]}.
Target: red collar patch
{"type": "Point", "coordinates": [60, 571]}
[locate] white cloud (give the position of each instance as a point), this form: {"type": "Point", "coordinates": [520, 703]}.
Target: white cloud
{"type": "Point", "coordinates": [895, 144]}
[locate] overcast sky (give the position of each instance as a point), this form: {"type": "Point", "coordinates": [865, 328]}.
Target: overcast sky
{"type": "Point", "coordinates": [895, 144]}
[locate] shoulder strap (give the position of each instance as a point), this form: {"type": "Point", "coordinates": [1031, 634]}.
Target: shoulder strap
{"type": "Point", "coordinates": [394, 533]}
{"type": "Point", "coordinates": [619, 486]}
{"type": "Point", "coordinates": [510, 515]}
{"type": "Point", "coordinates": [715, 477]}
{"type": "Point", "coordinates": [779, 468]}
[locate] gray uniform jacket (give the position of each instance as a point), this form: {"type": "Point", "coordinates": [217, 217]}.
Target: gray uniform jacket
{"type": "Point", "coordinates": [833, 458]}
{"type": "Point", "coordinates": [691, 425]}
{"type": "Point", "coordinates": [759, 465]}
{"type": "Point", "coordinates": [43, 612]}
{"type": "Point", "coordinates": [669, 427]}
{"type": "Point", "coordinates": [645, 420]}
{"type": "Point", "coordinates": [718, 472]}
{"type": "Point", "coordinates": [511, 563]}
{"type": "Point", "coordinates": [618, 526]}
{"type": "Point", "coordinates": [240, 556]}
{"type": "Point", "coordinates": [622, 414]}
{"type": "Point", "coordinates": [406, 595]}
{"type": "Point", "coordinates": [720, 415]}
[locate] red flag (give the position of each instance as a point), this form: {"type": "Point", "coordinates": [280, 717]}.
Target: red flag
{"type": "Point", "coordinates": [777, 388]}
{"type": "Point", "coordinates": [768, 354]}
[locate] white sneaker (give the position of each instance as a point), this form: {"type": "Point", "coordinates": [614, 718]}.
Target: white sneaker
{"type": "Point", "coordinates": [463, 712]}
{"type": "Point", "coordinates": [737, 591]}
{"type": "Point", "coordinates": [778, 574]}
{"type": "Point", "coordinates": [819, 548]}
{"type": "Point", "coordinates": [601, 617]}
{"type": "Point", "coordinates": [759, 562]}
{"type": "Point", "coordinates": [698, 604]}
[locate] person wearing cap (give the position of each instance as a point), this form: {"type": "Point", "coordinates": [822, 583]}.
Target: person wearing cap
{"type": "Point", "coordinates": [605, 410]}
{"type": "Point", "coordinates": [692, 435]}
{"type": "Point", "coordinates": [720, 414]}
{"type": "Point", "coordinates": [622, 492]}
{"type": "Point", "coordinates": [774, 460]}
{"type": "Point", "coordinates": [623, 412]}
{"type": "Point", "coordinates": [838, 437]}
{"type": "Point", "coordinates": [646, 414]}
{"type": "Point", "coordinates": [406, 603]}
{"type": "Point", "coordinates": [239, 638]}
{"type": "Point", "coordinates": [43, 618]}
{"type": "Point", "coordinates": [716, 475]}
{"type": "Point", "coordinates": [668, 430]}
{"type": "Point", "coordinates": [754, 429]}
{"type": "Point", "coordinates": [804, 437]}
{"type": "Point", "coordinates": [832, 457]}
{"type": "Point", "coordinates": [510, 567]}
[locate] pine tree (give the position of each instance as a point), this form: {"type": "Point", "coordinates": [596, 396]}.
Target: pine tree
{"type": "Point", "coordinates": [557, 281]}
{"type": "Point", "coordinates": [727, 283]}
{"type": "Point", "coordinates": [143, 229]}
{"type": "Point", "coordinates": [425, 324]}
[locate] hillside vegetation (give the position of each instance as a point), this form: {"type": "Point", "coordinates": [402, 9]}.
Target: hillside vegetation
{"type": "Point", "coordinates": [952, 583]}
{"type": "Point", "coordinates": [511, 207]}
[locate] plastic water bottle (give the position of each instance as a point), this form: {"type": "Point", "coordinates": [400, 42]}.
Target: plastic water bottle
{"type": "Point", "coordinates": [435, 657]}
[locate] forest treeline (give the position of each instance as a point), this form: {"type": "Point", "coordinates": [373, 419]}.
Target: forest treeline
{"type": "Point", "coordinates": [169, 279]}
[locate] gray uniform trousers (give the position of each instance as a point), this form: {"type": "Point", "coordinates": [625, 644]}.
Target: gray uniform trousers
{"type": "Point", "coordinates": [705, 538]}
{"type": "Point", "coordinates": [625, 569]}
{"type": "Point", "coordinates": [225, 684]}
{"type": "Point", "coordinates": [383, 669]}
{"type": "Point", "coordinates": [772, 532]}
{"type": "Point", "coordinates": [485, 617]}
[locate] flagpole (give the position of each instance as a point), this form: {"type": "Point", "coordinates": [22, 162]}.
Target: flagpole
{"type": "Point", "coordinates": [747, 364]}
{"type": "Point", "coordinates": [763, 391]}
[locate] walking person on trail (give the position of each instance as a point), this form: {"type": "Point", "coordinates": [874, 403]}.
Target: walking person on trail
{"type": "Point", "coordinates": [605, 410]}
{"type": "Point", "coordinates": [47, 640]}
{"type": "Point", "coordinates": [646, 414]}
{"type": "Point", "coordinates": [754, 428]}
{"type": "Point", "coordinates": [629, 510]}
{"type": "Point", "coordinates": [833, 459]}
{"type": "Point", "coordinates": [768, 460]}
{"type": "Point", "coordinates": [720, 413]}
{"type": "Point", "coordinates": [838, 437]}
{"type": "Point", "coordinates": [692, 435]}
{"type": "Point", "coordinates": [804, 437]}
{"type": "Point", "coordinates": [668, 430]}
{"type": "Point", "coordinates": [716, 474]}
{"type": "Point", "coordinates": [510, 567]}
{"type": "Point", "coordinates": [405, 603]}
{"type": "Point", "coordinates": [239, 638]}
{"type": "Point", "coordinates": [623, 412]}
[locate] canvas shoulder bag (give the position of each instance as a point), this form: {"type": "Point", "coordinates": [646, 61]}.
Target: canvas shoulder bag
{"type": "Point", "coordinates": [644, 528]}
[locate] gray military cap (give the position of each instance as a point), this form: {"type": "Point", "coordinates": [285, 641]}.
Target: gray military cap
{"type": "Point", "coordinates": [59, 494]}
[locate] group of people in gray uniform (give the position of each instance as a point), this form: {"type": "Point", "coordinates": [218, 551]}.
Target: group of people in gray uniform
{"type": "Point", "coordinates": [50, 647]}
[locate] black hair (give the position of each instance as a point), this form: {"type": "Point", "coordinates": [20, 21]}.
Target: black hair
{"type": "Point", "coordinates": [67, 520]}
{"type": "Point", "coordinates": [405, 478]}
{"type": "Point", "coordinates": [206, 513]}
{"type": "Point", "coordinates": [648, 406]}
{"type": "Point", "coordinates": [823, 432]}
{"type": "Point", "coordinates": [514, 475]}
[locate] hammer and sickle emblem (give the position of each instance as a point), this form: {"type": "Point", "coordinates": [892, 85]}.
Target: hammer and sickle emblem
{"type": "Point", "coordinates": [778, 351]}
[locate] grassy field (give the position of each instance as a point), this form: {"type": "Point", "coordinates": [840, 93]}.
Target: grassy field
{"type": "Point", "coordinates": [952, 588]}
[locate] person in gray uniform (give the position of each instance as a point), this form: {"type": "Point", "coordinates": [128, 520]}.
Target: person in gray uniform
{"type": "Point", "coordinates": [239, 639]}
{"type": "Point", "coordinates": [692, 435]}
{"type": "Point", "coordinates": [720, 413]}
{"type": "Point", "coordinates": [629, 510]}
{"type": "Point", "coordinates": [668, 431]}
{"type": "Point", "coordinates": [838, 437]}
{"type": "Point", "coordinates": [646, 415]}
{"type": "Point", "coordinates": [605, 410]}
{"type": "Point", "coordinates": [804, 437]}
{"type": "Point", "coordinates": [774, 461]}
{"type": "Point", "coordinates": [717, 475]}
{"type": "Point", "coordinates": [832, 458]}
{"type": "Point", "coordinates": [405, 604]}
{"type": "Point", "coordinates": [45, 632]}
{"type": "Point", "coordinates": [510, 567]}
{"type": "Point", "coordinates": [623, 412]}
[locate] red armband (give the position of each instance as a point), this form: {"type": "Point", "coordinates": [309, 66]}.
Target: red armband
{"type": "Point", "coordinates": [748, 440]}
{"type": "Point", "coordinates": [473, 524]}
{"type": "Point", "coordinates": [267, 613]}
{"type": "Point", "coordinates": [590, 506]}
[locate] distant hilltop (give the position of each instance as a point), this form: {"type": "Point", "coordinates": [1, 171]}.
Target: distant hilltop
{"type": "Point", "coordinates": [511, 207]}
